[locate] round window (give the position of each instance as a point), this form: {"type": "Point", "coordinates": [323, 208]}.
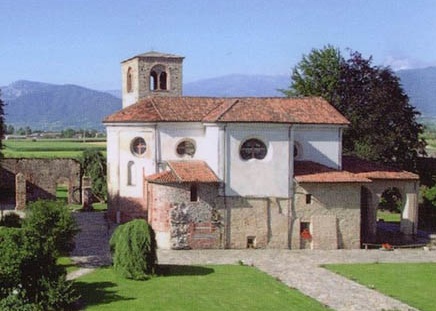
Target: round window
{"type": "Point", "coordinates": [253, 149]}
{"type": "Point", "coordinates": [138, 146]}
{"type": "Point", "coordinates": [186, 148]}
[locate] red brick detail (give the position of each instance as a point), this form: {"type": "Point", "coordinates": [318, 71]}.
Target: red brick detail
{"type": "Point", "coordinates": [203, 235]}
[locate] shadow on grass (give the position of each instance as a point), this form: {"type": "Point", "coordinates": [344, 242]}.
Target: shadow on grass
{"type": "Point", "coordinates": [98, 293]}
{"type": "Point", "coordinates": [181, 270]}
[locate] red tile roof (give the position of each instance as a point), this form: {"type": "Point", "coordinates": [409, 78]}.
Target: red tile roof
{"type": "Point", "coordinates": [232, 110]}
{"type": "Point", "coordinates": [311, 172]}
{"type": "Point", "coordinates": [185, 172]}
{"type": "Point", "coordinates": [374, 170]}
{"type": "Point", "coordinates": [353, 170]}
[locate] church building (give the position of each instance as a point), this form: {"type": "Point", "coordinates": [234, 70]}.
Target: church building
{"type": "Point", "coordinates": [242, 172]}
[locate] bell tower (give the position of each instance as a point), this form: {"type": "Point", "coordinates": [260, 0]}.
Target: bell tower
{"type": "Point", "coordinates": [151, 74]}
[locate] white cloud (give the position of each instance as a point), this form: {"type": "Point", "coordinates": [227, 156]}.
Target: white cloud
{"type": "Point", "coordinates": [398, 63]}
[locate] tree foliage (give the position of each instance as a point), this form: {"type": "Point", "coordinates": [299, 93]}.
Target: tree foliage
{"type": "Point", "coordinates": [52, 220]}
{"type": "Point", "coordinates": [133, 248]}
{"type": "Point", "coordinates": [94, 165]}
{"type": "Point", "coordinates": [31, 279]}
{"type": "Point", "coordinates": [383, 123]}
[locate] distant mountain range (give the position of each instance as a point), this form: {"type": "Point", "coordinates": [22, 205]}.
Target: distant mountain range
{"type": "Point", "coordinates": [54, 107]}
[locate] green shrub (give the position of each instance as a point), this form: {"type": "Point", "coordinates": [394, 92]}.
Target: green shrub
{"type": "Point", "coordinates": [31, 279]}
{"type": "Point", "coordinates": [52, 220]}
{"type": "Point", "coordinates": [11, 220]}
{"type": "Point", "coordinates": [94, 165]}
{"type": "Point", "coordinates": [133, 247]}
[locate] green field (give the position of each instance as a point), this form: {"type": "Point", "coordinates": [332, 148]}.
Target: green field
{"type": "Point", "coordinates": [50, 148]}
{"type": "Point", "coordinates": [413, 284]}
{"type": "Point", "coordinates": [223, 287]}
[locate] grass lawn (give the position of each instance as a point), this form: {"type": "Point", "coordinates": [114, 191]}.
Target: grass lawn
{"type": "Point", "coordinates": [49, 148]}
{"type": "Point", "coordinates": [414, 284]}
{"type": "Point", "coordinates": [388, 216]}
{"type": "Point", "coordinates": [221, 287]}
{"type": "Point", "coordinates": [67, 263]}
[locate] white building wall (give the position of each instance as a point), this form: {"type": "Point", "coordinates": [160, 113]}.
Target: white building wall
{"type": "Point", "coordinates": [121, 159]}
{"type": "Point", "coordinates": [321, 144]}
{"type": "Point", "coordinates": [205, 139]}
{"type": "Point", "coordinates": [258, 178]}
{"type": "Point", "coordinates": [112, 156]}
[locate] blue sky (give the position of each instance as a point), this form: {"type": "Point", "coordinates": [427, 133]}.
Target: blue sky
{"type": "Point", "coordinates": [83, 41]}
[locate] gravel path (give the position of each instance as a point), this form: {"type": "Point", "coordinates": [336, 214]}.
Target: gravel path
{"type": "Point", "coordinates": [298, 269]}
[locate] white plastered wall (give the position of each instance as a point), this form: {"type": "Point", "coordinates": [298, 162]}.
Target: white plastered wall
{"type": "Point", "coordinates": [258, 178]}
{"type": "Point", "coordinates": [320, 144]}
{"type": "Point", "coordinates": [120, 154]}
{"type": "Point", "coordinates": [204, 137]}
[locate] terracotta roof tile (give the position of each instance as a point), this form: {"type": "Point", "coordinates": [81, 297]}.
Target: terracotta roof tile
{"type": "Point", "coordinates": [213, 109]}
{"type": "Point", "coordinates": [311, 172]}
{"type": "Point", "coordinates": [185, 172]}
{"type": "Point", "coordinates": [373, 170]}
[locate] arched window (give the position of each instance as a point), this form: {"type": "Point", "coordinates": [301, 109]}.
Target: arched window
{"type": "Point", "coordinates": [129, 80]}
{"type": "Point", "coordinates": [138, 146]}
{"type": "Point", "coordinates": [186, 148]}
{"type": "Point", "coordinates": [131, 173]}
{"type": "Point", "coordinates": [163, 80]}
{"type": "Point", "coordinates": [158, 78]}
{"type": "Point", "coordinates": [153, 81]}
{"type": "Point", "coordinates": [253, 149]}
{"type": "Point", "coordinates": [298, 151]}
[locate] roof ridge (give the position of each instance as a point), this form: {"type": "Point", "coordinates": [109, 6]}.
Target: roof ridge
{"type": "Point", "coordinates": [235, 101]}
{"type": "Point", "coordinates": [155, 108]}
{"type": "Point", "coordinates": [179, 179]}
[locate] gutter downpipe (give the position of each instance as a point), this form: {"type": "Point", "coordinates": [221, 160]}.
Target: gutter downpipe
{"type": "Point", "coordinates": [223, 143]}
{"type": "Point", "coordinates": [291, 190]}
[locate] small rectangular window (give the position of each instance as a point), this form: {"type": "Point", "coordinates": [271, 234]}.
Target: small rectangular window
{"type": "Point", "coordinates": [251, 242]}
{"type": "Point", "coordinates": [308, 198]}
{"type": "Point", "coordinates": [194, 193]}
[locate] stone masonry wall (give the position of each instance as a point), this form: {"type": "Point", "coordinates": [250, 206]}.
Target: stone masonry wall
{"type": "Point", "coordinates": [41, 175]}
{"type": "Point", "coordinates": [340, 201]}
{"type": "Point", "coordinates": [255, 222]}
{"type": "Point", "coordinates": [180, 223]}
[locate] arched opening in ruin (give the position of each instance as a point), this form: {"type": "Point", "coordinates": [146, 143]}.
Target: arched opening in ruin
{"type": "Point", "coordinates": [389, 210]}
{"type": "Point", "coordinates": [390, 206]}
{"type": "Point", "coordinates": [63, 189]}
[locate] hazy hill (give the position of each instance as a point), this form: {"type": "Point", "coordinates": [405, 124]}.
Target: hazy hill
{"type": "Point", "coordinates": [420, 85]}
{"type": "Point", "coordinates": [53, 107]}
{"type": "Point", "coordinates": [238, 85]}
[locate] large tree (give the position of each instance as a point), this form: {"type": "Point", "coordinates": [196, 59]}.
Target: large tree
{"type": "Point", "coordinates": [383, 123]}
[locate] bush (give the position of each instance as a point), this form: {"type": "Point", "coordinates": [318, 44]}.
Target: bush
{"type": "Point", "coordinates": [31, 279]}
{"type": "Point", "coordinates": [52, 220]}
{"type": "Point", "coordinates": [11, 220]}
{"type": "Point", "coordinates": [133, 247]}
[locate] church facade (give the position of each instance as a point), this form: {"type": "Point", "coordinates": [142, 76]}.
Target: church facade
{"type": "Point", "coordinates": [211, 172]}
